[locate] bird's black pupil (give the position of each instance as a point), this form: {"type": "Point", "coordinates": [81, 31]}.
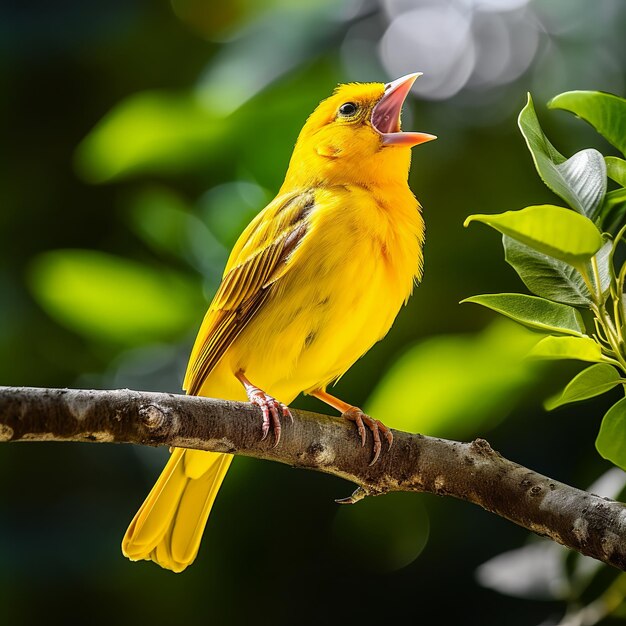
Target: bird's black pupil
{"type": "Point", "coordinates": [349, 108]}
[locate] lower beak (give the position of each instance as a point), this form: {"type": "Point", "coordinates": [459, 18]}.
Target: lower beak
{"type": "Point", "coordinates": [386, 114]}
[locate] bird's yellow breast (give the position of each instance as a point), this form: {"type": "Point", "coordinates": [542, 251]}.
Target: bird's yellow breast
{"type": "Point", "coordinates": [347, 281]}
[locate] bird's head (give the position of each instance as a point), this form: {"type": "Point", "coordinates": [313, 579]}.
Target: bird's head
{"type": "Point", "coordinates": [355, 135]}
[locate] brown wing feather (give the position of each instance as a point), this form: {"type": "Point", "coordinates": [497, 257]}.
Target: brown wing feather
{"type": "Point", "coordinates": [260, 257]}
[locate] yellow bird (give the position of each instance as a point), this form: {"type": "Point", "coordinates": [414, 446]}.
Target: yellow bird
{"type": "Point", "coordinates": [313, 282]}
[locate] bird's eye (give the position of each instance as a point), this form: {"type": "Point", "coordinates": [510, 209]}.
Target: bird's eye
{"type": "Point", "coordinates": [348, 109]}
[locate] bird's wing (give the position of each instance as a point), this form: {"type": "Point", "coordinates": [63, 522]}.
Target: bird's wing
{"type": "Point", "coordinates": [260, 257]}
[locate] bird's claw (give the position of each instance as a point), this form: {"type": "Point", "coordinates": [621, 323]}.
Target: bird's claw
{"type": "Point", "coordinates": [376, 427]}
{"type": "Point", "coordinates": [271, 410]}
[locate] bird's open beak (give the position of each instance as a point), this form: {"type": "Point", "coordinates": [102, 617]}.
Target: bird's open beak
{"type": "Point", "coordinates": [386, 114]}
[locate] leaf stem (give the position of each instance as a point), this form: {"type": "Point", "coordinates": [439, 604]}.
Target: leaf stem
{"type": "Point", "coordinates": [614, 338]}
{"type": "Point", "coordinates": [614, 287]}
{"type": "Point", "coordinates": [618, 302]}
{"type": "Point", "coordinates": [619, 318]}
{"type": "Point", "coordinates": [600, 335]}
{"type": "Point", "coordinates": [596, 278]}
{"type": "Point", "coordinates": [582, 270]}
{"type": "Point", "coordinates": [608, 359]}
{"type": "Point", "coordinates": [615, 323]}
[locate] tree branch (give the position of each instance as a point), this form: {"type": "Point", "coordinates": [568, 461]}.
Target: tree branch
{"type": "Point", "coordinates": [472, 471]}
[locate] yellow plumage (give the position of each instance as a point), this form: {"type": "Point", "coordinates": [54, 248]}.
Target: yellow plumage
{"type": "Point", "coordinates": [312, 283]}
{"type": "Point", "coordinates": [169, 526]}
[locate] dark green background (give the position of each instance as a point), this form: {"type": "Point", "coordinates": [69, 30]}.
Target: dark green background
{"type": "Point", "coordinates": [277, 549]}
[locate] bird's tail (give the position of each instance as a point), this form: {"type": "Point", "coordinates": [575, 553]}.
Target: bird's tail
{"type": "Point", "coordinates": [169, 525]}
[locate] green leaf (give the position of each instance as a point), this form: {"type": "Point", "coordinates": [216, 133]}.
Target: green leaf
{"type": "Point", "coordinates": [464, 382]}
{"type": "Point", "coordinates": [604, 111]}
{"type": "Point", "coordinates": [585, 175]}
{"type": "Point", "coordinates": [114, 299]}
{"type": "Point", "coordinates": [579, 180]}
{"type": "Point", "coordinates": [603, 262]}
{"type": "Point", "coordinates": [553, 279]}
{"type": "Point", "coordinates": [593, 381]}
{"type": "Point", "coordinates": [553, 230]}
{"type": "Point", "coordinates": [616, 169]}
{"type": "Point", "coordinates": [612, 207]}
{"type": "Point", "coordinates": [615, 197]}
{"type": "Point", "coordinates": [581, 348]}
{"type": "Point", "coordinates": [545, 276]}
{"type": "Point", "coordinates": [534, 312]}
{"type": "Point", "coordinates": [150, 131]}
{"type": "Point", "coordinates": [611, 441]}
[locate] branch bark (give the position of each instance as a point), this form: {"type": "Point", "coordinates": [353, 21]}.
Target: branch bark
{"type": "Point", "coordinates": [472, 471]}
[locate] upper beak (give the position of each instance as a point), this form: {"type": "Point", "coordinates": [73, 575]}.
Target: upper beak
{"type": "Point", "coordinates": [386, 114]}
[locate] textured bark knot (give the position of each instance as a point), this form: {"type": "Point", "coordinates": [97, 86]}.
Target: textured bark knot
{"type": "Point", "coordinates": [440, 485]}
{"type": "Point", "coordinates": [6, 432]}
{"type": "Point", "coordinates": [320, 454]}
{"type": "Point", "coordinates": [482, 447]}
{"type": "Point", "coordinates": [580, 530]}
{"type": "Point", "coordinates": [315, 449]}
{"type": "Point", "coordinates": [152, 417]}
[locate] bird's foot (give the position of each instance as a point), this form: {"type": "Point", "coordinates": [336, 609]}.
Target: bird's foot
{"type": "Point", "coordinates": [272, 410]}
{"type": "Point", "coordinates": [364, 421]}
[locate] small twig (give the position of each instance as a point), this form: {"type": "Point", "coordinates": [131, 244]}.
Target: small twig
{"type": "Point", "coordinates": [358, 494]}
{"type": "Point", "coordinates": [472, 471]}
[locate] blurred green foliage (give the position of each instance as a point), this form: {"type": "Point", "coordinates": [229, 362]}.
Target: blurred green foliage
{"type": "Point", "coordinates": [141, 138]}
{"type": "Point", "coordinates": [150, 132]}
{"type": "Point", "coordinates": [112, 299]}
{"type": "Point", "coordinates": [479, 377]}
